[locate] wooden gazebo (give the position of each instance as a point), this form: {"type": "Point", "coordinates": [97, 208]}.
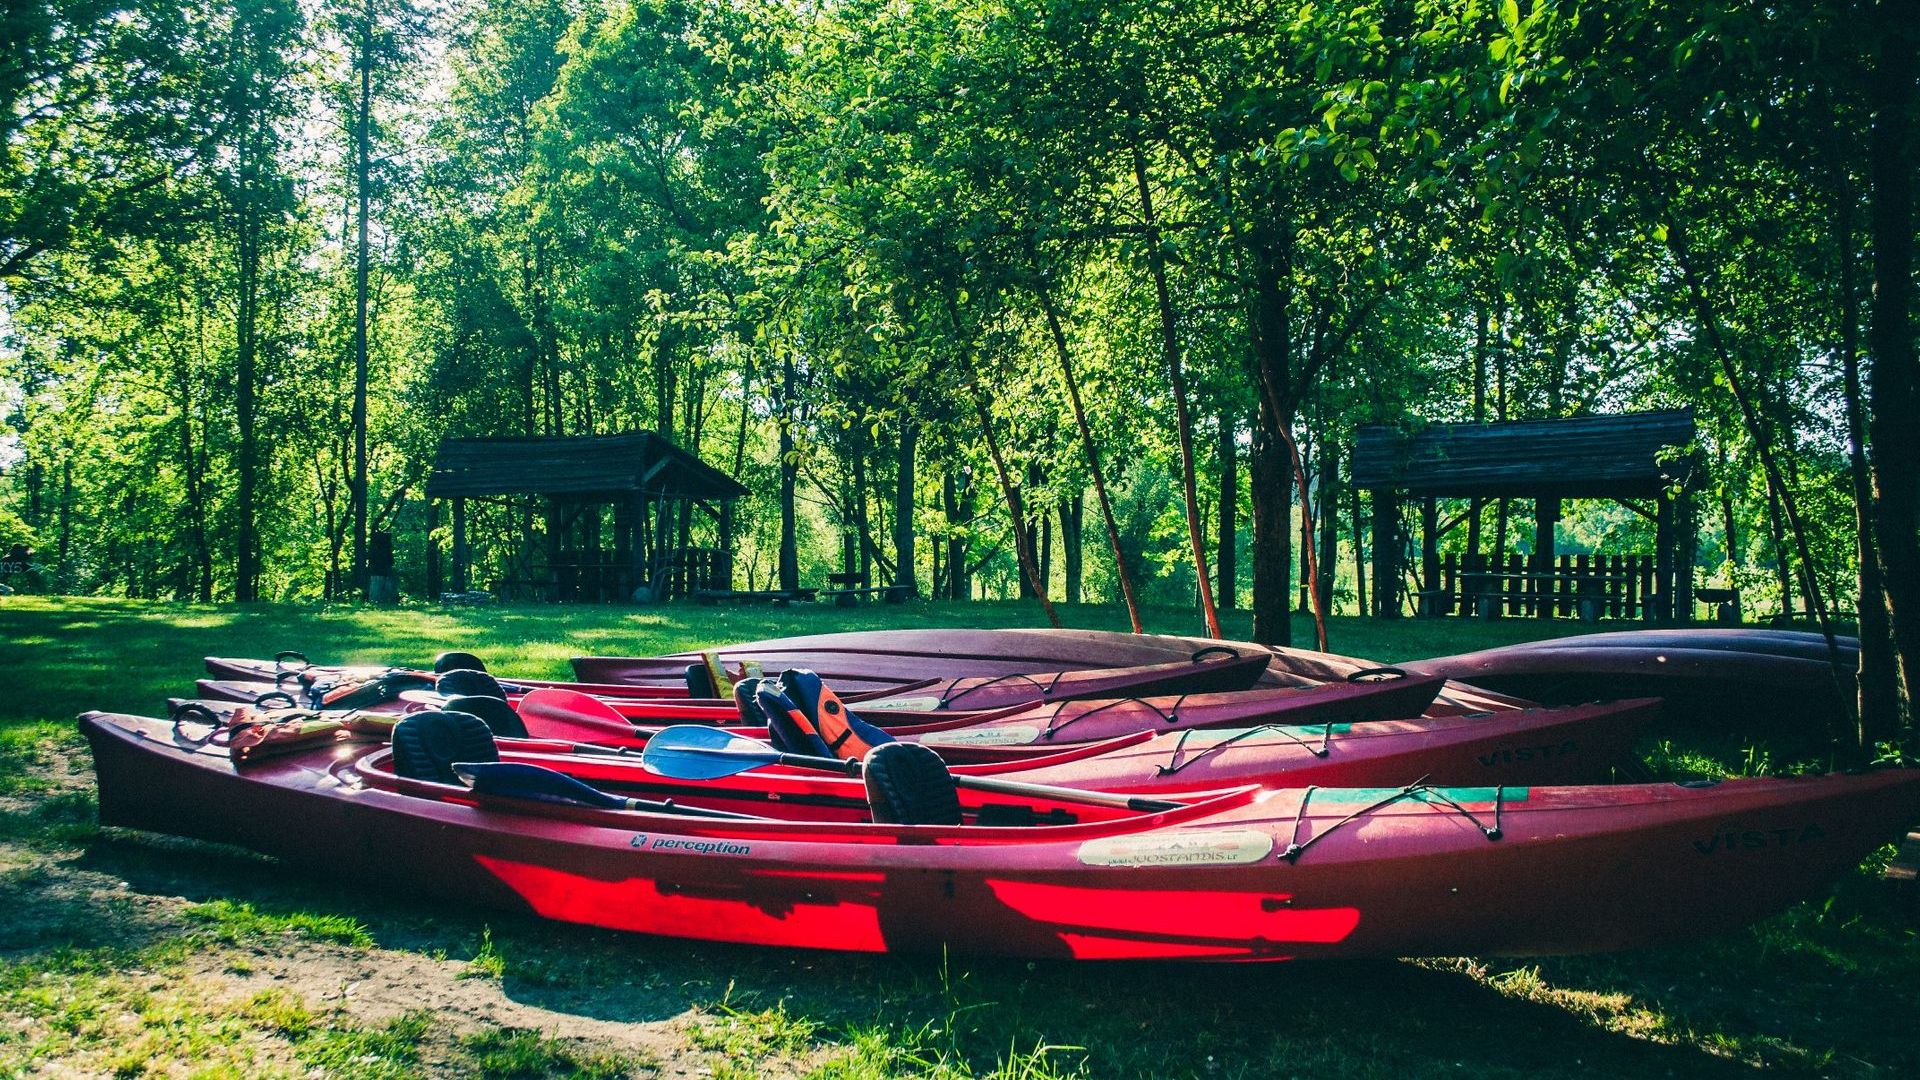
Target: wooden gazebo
{"type": "Point", "coordinates": [648, 486]}
{"type": "Point", "coordinates": [1637, 459]}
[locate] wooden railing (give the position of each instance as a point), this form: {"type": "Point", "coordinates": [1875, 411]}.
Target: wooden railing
{"type": "Point", "coordinates": [1587, 586]}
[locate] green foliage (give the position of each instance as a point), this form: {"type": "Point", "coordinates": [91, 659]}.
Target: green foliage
{"type": "Point", "coordinates": [813, 242]}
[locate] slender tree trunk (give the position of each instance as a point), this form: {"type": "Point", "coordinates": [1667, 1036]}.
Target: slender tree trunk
{"type": "Point", "coordinates": [1359, 549]}
{"type": "Point", "coordinates": [1226, 555]}
{"type": "Point", "coordinates": [1782, 566]}
{"type": "Point", "coordinates": [1677, 241]}
{"type": "Point", "coordinates": [1876, 677]}
{"type": "Point", "coordinates": [246, 568]}
{"type": "Point", "coordinates": [1170, 346]}
{"type": "Point", "coordinates": [789, 474]}
{"type": "Point", "coordinates": [958, 501]}
{"type": "Point", "coordinates": [1072, 521]}
{"type": "Point", "coordinates": [1016, 511]}
{"type": "Point", "coordinates": [1303, 593]}
{"type": "Point", "coordinates": [1030, 584]}
{"type": "Point", "coordinates": [1329, 502]}
{"type": "Point", "coordinates": [362, 146]}
{"type": "Point", "coordinates": [1092, 452]}
{"type": "Point", "coordinates": [1731, 530]}
{"type": "Point", "coordinates": [1475, 506]}
{"type": "Point", "coordinates": [1268, 469]}
{"type": "Point", "coordinates": [905, 574]}
{"type": "Point", "coordinates": [1894, 401]}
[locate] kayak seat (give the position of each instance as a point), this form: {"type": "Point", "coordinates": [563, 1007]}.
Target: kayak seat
{"type": "Point", "coordinates": [494, 712]}
{"type": "Point", "coordinates": [908, 784]}
{"type": "Point", "coordinates": [700, 682]}
{"type": "Point", "coordinates": [457, 661]}
{"type": "Point", "coordinates": [426, 744]}
{"type": "Point", "coordinates": [468, 682]}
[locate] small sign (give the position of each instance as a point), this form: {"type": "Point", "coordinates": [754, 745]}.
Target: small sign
{"type": "Point", "coordinates": [995, 735]}
{"type": "Point", "coordinates": [1198, 847]}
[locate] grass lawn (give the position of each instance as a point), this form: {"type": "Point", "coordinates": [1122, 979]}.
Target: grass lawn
{"type": "Point", "coordinates": [129, 954]}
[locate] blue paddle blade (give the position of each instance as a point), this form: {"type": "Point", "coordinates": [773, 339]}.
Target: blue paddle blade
{"type": "Point", "coordinates": [703, 752]}
{"type": "Point", "coordinates": [518, 780]}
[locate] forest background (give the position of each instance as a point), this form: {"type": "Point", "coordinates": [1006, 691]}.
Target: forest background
{"type": "Point", "coordinates": [974, 295]}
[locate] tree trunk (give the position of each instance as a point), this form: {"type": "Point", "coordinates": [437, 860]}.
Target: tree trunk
{"type": "Point", "coordinates": [1782, 569]}
{"type": "Point", "coordinates": [1072, 521]}
{"type": "Point", "coordinates": [1226, 555]}
{"type": "Point", "coordinates": [905, 574]}
{"type": "Point", "coordinates": [1030, 584]}
{"type": "Point", "coordinates": [1328, 500]}
{"type": "Point", "coordinates": [958, 504]}
{"type": "Point", "coordinates": [1894, 391]}
{"type": "Point", "coordinates": [362, 145]}
{"type": "Point", "coordinates": [246, 377]}
{"type": "Point", "coordinates": [789, 474]}
{"type": "Point", "coordinates": [1170, 347]}
{"type": "Point", "coordinates": [1359, 550]}
{"type": "Point", "coordinates": [1016, 512]}
{"type": "Point", "coordinates": [1065, 356]}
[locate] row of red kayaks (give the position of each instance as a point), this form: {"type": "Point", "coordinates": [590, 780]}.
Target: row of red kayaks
{"type": "Point", "coordinates": [1068, 794]}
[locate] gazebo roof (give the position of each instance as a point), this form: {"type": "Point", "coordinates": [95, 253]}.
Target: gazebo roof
{"type": "Point", "coordinates": [577, 466]}
{"type": "Point", "coordinates": [1625, 455]}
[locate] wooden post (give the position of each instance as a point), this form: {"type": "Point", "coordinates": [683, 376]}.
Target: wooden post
{"type": "Point", "coordinates": [1386, 554]}
{"type": "Point", "coordinates": [1686, 539]}
{"type": "Point", "coordinates": [622, 567]}
{"type": "Point", "coordinates": [460, 554]}
{"type": "Point", "coordinates": [433, 549]}
{"type": "Point", "coordinates": [1546, 513]}
{"type": "Point", "coordinates": [637, 576]}
{"type": "Point", "coordinates": [1662, 610]}
{"type": "Point", "coordinates": [723, 573]}
{"type": "Point", "coordinates": [1430, 555]}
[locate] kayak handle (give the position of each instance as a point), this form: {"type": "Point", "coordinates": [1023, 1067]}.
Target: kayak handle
{"type": "Point", "coordinates": [280, 660]}
{"type": "Point", "coordinates": [1377, 674]}
{"type": "Point", "coordinates": [1224, 650]}
{"type": "Point", "coordinates": [271, 697]}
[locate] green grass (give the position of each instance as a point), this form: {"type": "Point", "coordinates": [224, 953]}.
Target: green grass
{"type": "Point", "coordinates": [127, 954]}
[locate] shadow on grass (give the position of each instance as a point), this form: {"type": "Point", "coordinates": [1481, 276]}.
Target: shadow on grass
{"type": "Point", "coordinates": [1382, 1018]}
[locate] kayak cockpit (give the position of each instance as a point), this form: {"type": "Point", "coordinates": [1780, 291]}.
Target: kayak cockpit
{"type": "Point", "coordinates": [783, 803]}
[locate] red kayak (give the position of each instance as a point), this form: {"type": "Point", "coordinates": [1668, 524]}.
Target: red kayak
{"type": "Point", "coordinates": [1203, 672]}
{"type": "Point", "coordinates": [877, 658]}
{"type": "Point", "coordinates": [1371, 700]}
{"type": "Point", "coordinates": [1017, 732]}
{"type": "Point", "coordinates": [238, 670]}
{"type": "Point", "coordinates": [1572, 745]}
{"type": "Point", "coordinates": [1244, 874]}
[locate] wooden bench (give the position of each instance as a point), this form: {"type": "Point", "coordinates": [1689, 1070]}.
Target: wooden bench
{"type": "Point", "coordinates": [780, 597]}
{"type": "Point", "coordinates": [848, 589]}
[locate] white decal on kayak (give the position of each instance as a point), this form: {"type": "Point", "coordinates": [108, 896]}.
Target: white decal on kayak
{"type": "Point", "coordinates": [998, 735]}
{"type": "Point", "coordinates": [1197, 848]}
{"type": "Point", "coordinates": [902, 704]}
{"type": "Point", "coordinates": [699, 847]}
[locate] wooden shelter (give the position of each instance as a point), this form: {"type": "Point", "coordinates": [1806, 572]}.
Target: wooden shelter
{"type": "Point", "coordinates": [1638, 459]}
{"type": "Point", "coordinates": [646, 484]}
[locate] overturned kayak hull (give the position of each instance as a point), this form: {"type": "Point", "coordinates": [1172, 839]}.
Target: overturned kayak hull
{"type": "Point", "coordinates": [1707, 679]}
{"type": "Point", "coordinates": [1252, 874]}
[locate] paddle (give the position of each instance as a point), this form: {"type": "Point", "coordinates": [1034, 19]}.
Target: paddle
{"type": "Point", "coordinates": [570, 714]}
{"type": "Point", "coordinates": [518, 780]}
{"type": "Point", "coordinates": [696, 752]}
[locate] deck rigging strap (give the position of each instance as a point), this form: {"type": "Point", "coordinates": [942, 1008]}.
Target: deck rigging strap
{"type": "Point", "coordinates": [1167, 716]}
{"type": "Point", "coordinates": [948, 696]}
{"type": "Point", "coordinates": [1175, 764]}
{"type": "Point", "coordinates": [1297, 847]}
